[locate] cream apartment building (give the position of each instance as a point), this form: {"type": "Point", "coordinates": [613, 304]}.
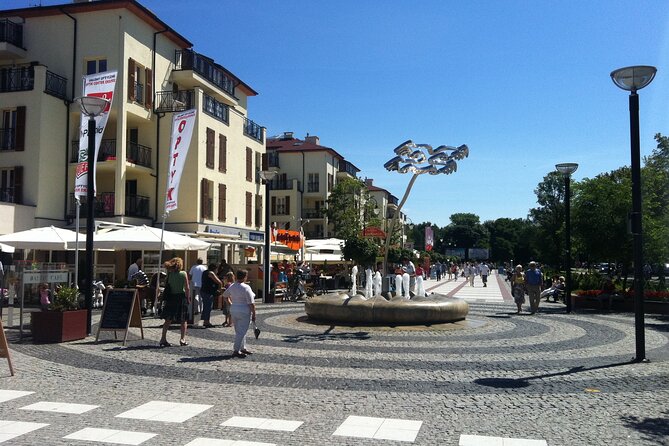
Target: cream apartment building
{"type": "Point", "coordinates": [45, 52]}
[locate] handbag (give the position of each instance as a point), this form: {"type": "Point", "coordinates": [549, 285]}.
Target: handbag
{"type": "Point", "coordinates": [256, 330]}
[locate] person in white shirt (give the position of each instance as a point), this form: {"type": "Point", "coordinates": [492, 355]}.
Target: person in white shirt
{"type": "Point", "coordinates": [242, 311]}
{"type": "Point", "coordinates": [484, 270]}
{"type": "Point", "coordinates": [195, 274]}
{"type": "Point", "coordinates": [133, 268]}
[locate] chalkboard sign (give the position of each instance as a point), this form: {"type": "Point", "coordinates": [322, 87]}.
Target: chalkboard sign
{"type": "Point", "coordinates": [120, 311]}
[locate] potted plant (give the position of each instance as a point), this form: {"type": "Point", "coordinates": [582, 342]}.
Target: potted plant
{"type": "Point", "coordinates": [63, 321]}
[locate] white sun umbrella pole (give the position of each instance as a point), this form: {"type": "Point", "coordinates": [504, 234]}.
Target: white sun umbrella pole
{"type": "Point", "coordinates": [182, 131]}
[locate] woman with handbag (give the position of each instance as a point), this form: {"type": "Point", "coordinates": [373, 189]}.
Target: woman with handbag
{"type": "Point", "coordinates": [210, 287]}
{"type": "Point", "coordinates": [242, 310]}
{"type": "Point", "coordinates": [177, 298]}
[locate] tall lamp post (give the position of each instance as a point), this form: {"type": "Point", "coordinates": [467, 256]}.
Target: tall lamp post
{"type": "Point", "coordinates": [91, 106]}
{"type": "Point", "coordinates": [633, 79]}
{"type": "Point", "coordinates": [267, 176]}
{"type": "Point", "coordinates": [566, 169]}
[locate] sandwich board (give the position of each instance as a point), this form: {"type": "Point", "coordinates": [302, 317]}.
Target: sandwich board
{"type": "Point", "coordinates": [120, 312]}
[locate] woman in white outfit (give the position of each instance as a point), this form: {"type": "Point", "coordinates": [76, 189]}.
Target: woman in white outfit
{"type": "Point", "coordinates": [242, 311]}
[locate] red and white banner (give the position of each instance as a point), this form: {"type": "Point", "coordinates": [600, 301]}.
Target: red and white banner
{"type": "Point", "coordinates": [100, 85]}
{"type": "Point", "coordinates": [182, 132]}
{"type": "Point", "coordinates": [429, 238]}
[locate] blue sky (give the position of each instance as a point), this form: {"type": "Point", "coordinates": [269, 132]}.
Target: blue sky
{"type": "Point", "coordinates": [525, 84]}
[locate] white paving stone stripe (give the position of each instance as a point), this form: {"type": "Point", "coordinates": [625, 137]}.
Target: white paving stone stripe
{"type": "Point", "coordinates": [165, 411]}
{"type": "Point", "coordinates": [481, 440]}
{"type": "Point", "coordinates": [263, 423]}
{"type": "Point", "coordinates": [379, 428]}
{"type": "Point", "coordinates": [8, 395]}
{"type": "Point", "coordinates": [11, 429]}
{"type": "Point", "coordinates": [59, 407]}
{"type": "Point", "coordinates": [202, 441]}
{"type": "Point", "coordinates": [113, 436]}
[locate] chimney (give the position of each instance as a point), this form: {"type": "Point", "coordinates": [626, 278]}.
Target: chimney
{"type": "Point", "coordinates": [369, 181]}
{"type": "Point", "coordinates": [312, 139]}
{"type": "Point", "coordinates": [287, 135]}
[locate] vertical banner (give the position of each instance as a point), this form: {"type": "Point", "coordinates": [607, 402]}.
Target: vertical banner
{"type": "Point", "coordinates": [182, 132]}
{"type": "Point", "coordinates": [100, 85]}
{"type": "Point", "coordinates": [429, 238]}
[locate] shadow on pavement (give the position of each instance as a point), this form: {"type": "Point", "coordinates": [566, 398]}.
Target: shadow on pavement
{"type": "Point", "coordinates": [327, 335]}
{"type": "Point", "coordinates": [651, 429]}
{"type": "Point", "coordinates": [207, 358]}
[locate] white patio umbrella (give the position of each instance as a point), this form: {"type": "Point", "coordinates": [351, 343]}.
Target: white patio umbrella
{"type": "Point", "coordinates": [6, 248]}
{"type": "Point", "coordinates": [147, 238]}
{"type": "Point", "coordinates": [48, 238]}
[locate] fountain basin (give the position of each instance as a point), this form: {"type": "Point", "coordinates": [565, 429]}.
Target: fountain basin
{"type": "Point", "coordinates": [432, 309]}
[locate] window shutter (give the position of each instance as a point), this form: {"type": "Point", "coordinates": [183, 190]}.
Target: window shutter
{"type": "Point", "coordinates": [204, 198]}
{"type": "Point", "coordinates": [20, 135]}
{"type": "Point", "coordinates": [273, 207]}
{"type": "Point", "coordinates": [131, 79]}
{"type": "Point", "coordinates": [222, 192]}
{"type": "Point", "coordinates": [258, 212]}
{"type": "Point", "coordinates": [249, 164]}
{"type": "Point", "coordinates": [287, 205]}
{"type": "Point", "coordinates": [249, 208]}
{"type": "Point", "coordinates": [18, 184]}
{"type": "Point", "coordinates": [263, 158]}
{"type": "Point", "coordinates": [210, 148]}
{"type": "Point", "coordinates": [222, 153]}
{"type": "Point", "coordinates": [148, 96]}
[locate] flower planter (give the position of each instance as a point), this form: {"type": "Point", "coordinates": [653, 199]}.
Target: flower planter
{"type": "Point", "coordinates": [58, 326]}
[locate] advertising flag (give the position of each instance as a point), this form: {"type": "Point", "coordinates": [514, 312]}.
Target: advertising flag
{"type": "Point", "coordinates": [100, 85]}
{"type": "Point", "coordinates": [429, 238]}
{"type": "Point", "coordinates": [182, 132]}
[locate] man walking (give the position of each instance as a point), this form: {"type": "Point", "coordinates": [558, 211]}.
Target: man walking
{"type": "Point", "coordinates": [534, 281]}
{"type": "Point", "coordinates": [485, 271]}
{"type": "Point", "coordinates": [195, 274]}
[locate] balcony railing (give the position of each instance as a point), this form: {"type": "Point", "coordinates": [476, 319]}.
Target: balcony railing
{"type": "Point", "coordinates": [16, 79]}
{"type": "Point", "coordinates": [174, 101]}
{"type": "Point", "coordinates": [280, 184]}
{"type": "Point", "coordinates": [348, 168]}
{"type": "Point", "coordinates": [139, 93]}
{"type": "Point", "coordinates": [273, 159]}
{"type": "Point", "coordinates": [135, 205]}
{"type": "Point", "coordinates": [136, 153]}
{"type": "Point", "coordinates": [7, 195]}
{"type": "Point", "coordinates": [216, 109]}
{"type": "Point", "coordinates": [55, 85]}
{"type": "Point", "coordinates": [7, 139]}
{"type": "Point", "coordinates": [252, 130]}
{"type": "Point", "coordinates": [312, 213]}
{"type": "Point", "coordinates": [11, 32]}
{"type": "Point", "coordinates": [313, 186]}
{"type": "Point", "coordinates": [190, 60]}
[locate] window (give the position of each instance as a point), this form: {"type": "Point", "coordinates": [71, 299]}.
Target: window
{"type": "Point", "coordinates": [96, 66]}
{"type": "Point", "coordinates": [312, 183]}
{"type": "Point", "coordinates": [222, 153]}
{"type": "Point", "coordinates": [259, 163]}
{"type": "Point", "coordinates": [330, 182]}
{"type": "Point", "coordinates": [10, 185]}
{"type": "Point", "coordinates": [280, 206]}
{"type": "Point", "coordinates": [259, 209]}
{"type": "Point", "coordinates": [140, 84]}
{"type": "Point", "coordinates": [249, 164]}
{"type": "Point", "coordinates": [12, 128]}
{"type": "Point", "coordinates": [206, 199]}
{"type": "Point", "coordinates": [249, 209]}
{"type": "Point", "coordinates": [222, 196]}
{"type": "Point", "coordinates": [210, 148]}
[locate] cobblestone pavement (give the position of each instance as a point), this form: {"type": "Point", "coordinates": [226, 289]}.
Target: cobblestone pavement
{"type": "Point", "coordinates": [564, 379]}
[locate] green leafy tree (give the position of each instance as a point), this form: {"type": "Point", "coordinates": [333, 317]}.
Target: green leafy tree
{"type": "Point", "coordinates": [349, 208]}
{"type": "Point", "coordinates": [550, 218]}
{"type": "Point", "coordinates": [363, 251]}
{"type": "Point", "coordinates": [466, 231]}
{"type": "Point", "coordinates": [655, 193]}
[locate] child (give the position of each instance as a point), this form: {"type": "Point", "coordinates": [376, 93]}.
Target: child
{"type": "Point", "coordinates": [44, 296]}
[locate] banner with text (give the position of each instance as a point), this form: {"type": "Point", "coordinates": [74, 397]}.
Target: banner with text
{"type": "Point", "coordinates": [99, 85]}
{"type": "Point", "coordinates": [182, 132]}
{"type": "Point", "coordinates": [429, 238]}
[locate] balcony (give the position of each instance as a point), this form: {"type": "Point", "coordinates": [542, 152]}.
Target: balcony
{"type": "Point", "coordinates": [273, 159]}
{"type": "Point", "coordinates": [206, 67]}
{"type": "Point", "coordinates": [174, 101]}
{"type": "Point", "coordinates": [7, 195]}
{"type": "Point", "coordinates": [135, 153]}
{"type": "Point", "coordinates": [313, 213]}
{"type": "Point", "coordinates": [135, 205]}
{"type": "Point", "coordinates": [7, 139]}
{"type": "Point", "coordinates": [11, 40]}
{"type": "Point", "coordinates": [55, 85]}
{"type": "Point", "coordinates": [139, 93]}
{"type": "Point", "coordinates": [216, 109]}
{"type": "Point", "coordinates": [253, 130]}
{"type": "Point", "coordinates": [282, 184]}
{"type": "Point", "coordinates": [347, 167]}
{"type": "Point", "coordinates": [17, 79]}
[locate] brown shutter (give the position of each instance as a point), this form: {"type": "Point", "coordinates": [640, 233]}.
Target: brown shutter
{"type": "Point", "coordinates": [258, 210]}
{"type": "Point", "coordinates": [222, 192]}
{"type": "Point", "coordinates": [210, 148]}
{"type": "Point", "coordinates": [18, 184]}
{"type": "Point", "coordinates": [20, 141]}
{"type": "Point", "coordinates": [131, 79]}
{"type": "Point", "coordinates": [287, 205]}
{"type": "Point", "coordinates": [148, 95]}
{"type": "Point", "coordinates": [263, 157]}
{"type": "Point", "coordinates": [273, 207]}
{"type": "Point", "coordinates": [249, 164]}
{"type": "Point", "coordinates": [222, 153]}
{"type": "Point", "coordinates": [249, 209]}
{"type": "Point", "coordinates": [204, 195]}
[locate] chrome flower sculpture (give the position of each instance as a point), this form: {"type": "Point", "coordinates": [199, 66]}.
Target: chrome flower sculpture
{"type": "Point", "coordinates": [412, 157]}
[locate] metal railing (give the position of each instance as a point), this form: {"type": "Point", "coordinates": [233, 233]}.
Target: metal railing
{"type": "Point", "coordinates": [273, 159]}
{"type": "Point", "coordinates": [174, 101]}
{"type": "Point", "coordinates": [55, 85]}
{"type": "Point", "coordinates": [312, 213]}
{"type": "Point", "coordinates": [139, 93]}
{"type": "Point", "coordinates": [135, 153]}
{"type": "Point", "coordinates": [252, 130]}
{"type": "Point", "coordinates": [281, 184]}
{"type": "Point", "coordinates": [17, 79]}
{"type": "Point", "coordinates": [313, 186]}
{"type": "Point", "coordinates": [190, 60]}
{"type": "Point", "coordinates": [216, 109]}
{"type": "Point", "coordinates": [107, 150]}
{"type": "Point", "coordinates": [8, 139]}
{"type": "Point", "coordinates": [7, 195]}
{"type": "Point", "coordinates": [135, 205]}
{"type": "Point", "coordinates": [11, 32]}
{"type": "Point", "coordinates": [138, 154]}
{"type": "Point", "coordinates": [345, 166]}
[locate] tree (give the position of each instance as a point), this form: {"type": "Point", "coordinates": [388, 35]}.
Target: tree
{"type": "Point", "coordinates": [512, 239]}
{"type": "Point", "coordinates": [348, 206]}
{"type": "Point", "coordinates": [466, 231]}
{"type": "Point", "coordinates": [655, 195]}
{"type": "Point", "coordinates": [363, 251]}
{"type": "Point", "coordinates": [550, 217]}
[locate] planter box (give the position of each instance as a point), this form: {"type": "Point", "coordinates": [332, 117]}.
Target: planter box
{"type": "Point", "coordinates": [57, 326]}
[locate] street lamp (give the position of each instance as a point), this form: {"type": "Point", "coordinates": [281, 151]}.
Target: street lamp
{"type": "Point", "coordinates": [267, 176]}
{"type": "Point", "coordinates": [632, 79]}
{"type": "Point", "coordinates": [91, 106]}
{"type": "Point", "coordinates": [410, 157]}
{"type": "Point", "coordinates": [566, 169]}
